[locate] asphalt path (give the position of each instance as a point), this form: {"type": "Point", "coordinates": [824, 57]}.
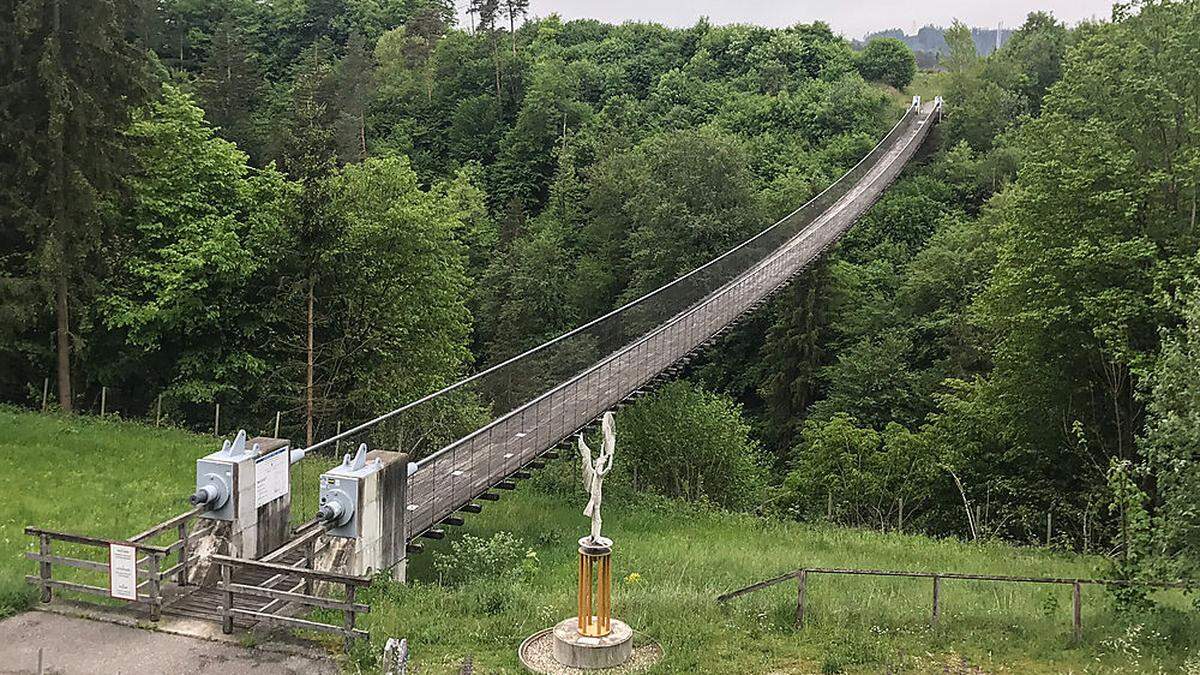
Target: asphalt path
{"type": "Point", "coordinates": [72, 645]}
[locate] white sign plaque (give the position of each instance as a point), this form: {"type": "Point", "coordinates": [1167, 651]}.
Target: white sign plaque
{"type": "Point", "coordinates": [122, 571]}
{"type": "Point", "coordinates": [270, 477]}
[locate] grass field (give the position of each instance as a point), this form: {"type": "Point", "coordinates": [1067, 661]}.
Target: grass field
{"type": "Point", "coordinates": [86, 476]}
{"type": "Point", "coordinates": [111, 478]}
{"type": "Point", "coordinates": [925, 84]}
{"type": "Point", "coordinates": [683, 558]}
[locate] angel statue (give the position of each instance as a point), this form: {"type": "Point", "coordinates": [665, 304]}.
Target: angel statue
{"type": "Point", "coordinates": [594, 473]}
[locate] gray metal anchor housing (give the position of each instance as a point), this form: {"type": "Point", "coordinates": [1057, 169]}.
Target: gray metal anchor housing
{"type": "Point", "coordinates": [340, 501]}
{"type": "Point", "coordinates": [215, 478]}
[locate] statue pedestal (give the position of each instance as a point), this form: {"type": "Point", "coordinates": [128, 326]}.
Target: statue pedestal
{"type": "Point", "coordinates": [592, 638]}
{"type": "Point", "coordinates": [594, 610]}
{"type": "Point", "coordinates": [580, 651]}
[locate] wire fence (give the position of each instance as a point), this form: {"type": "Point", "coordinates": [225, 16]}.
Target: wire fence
{"type": "Point", "coordinates": [166, 410]}
{"type": "Point", "coordinates": [1077, 584]}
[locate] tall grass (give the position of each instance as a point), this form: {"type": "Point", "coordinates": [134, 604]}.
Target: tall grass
{"type": "Point", "coordinates": [112, 478]}
{"type": "Point", "coordinates": [670, 563]}
{"type": "Point", "coordinates": [84, 475]}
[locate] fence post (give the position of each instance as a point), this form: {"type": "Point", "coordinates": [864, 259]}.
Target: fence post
{"type": "Point", "coordinates": [45, 392]}
{"type": "Point", "coordinates": [158, 411]}
{"type": "Point", "coordinates": [182, 579]}
{"type": "Point", "coordinates": [937, 600]}
{"type": "Point", "coordinates": [1077, 606]}
{"type": "Point", "coordinates": [1048, 521]}
{"type": "Point", "coordinates": [348, 616]}
{"type": "Point", "coordinates": [44, 568]}
{"type": "Point", "coordinates": [802, 582]}
{"type": "Point", "coordinates": [276, 425]}
{"type": "Point", "coordinates": [337, 445]}
{"type": "Point", "coordinates": [155, 586]}
{"type": "Point", "coordinates": [310, 559]}
{"type": "Point", "coordinates": [226, 598]}
{"type": "Point", "coordinates": [217, 421]}
{"type": "Point", "coordinates": [103, 400]}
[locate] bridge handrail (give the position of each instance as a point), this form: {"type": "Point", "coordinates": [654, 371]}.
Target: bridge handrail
{"type": "Point", "coordinates": [306, 593]}
{"type": "Point", "coordinates": [909, 114]}
{"type": "Point", "coordinates": [149, 563]}
{"type": "Point", "coordinates": [149, 573]}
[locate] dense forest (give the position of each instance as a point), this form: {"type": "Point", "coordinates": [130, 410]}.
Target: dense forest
{"type": "Point", "coordinates": [332, 207]}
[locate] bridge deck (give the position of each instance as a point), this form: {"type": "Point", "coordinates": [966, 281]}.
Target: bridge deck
{"type": "Point", "coordinates": [204, 602]}
{"type": "Point", "coordinates": [458, 474]}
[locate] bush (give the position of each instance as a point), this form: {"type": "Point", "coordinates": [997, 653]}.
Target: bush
{"type": "Point", "coordinates": [873, 478]}
{"type": "Point", "coordinates": [687, 443]}
{"type": "Point", "coordinates": [888, 60]}
{"type": "Point", "coordinates": [472, 558]}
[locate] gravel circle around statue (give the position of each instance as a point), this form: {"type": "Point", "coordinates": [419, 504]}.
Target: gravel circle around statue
{"type": "Point", "coordinates": [537, 655]}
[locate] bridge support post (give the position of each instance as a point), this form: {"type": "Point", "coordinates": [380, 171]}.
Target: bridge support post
{"type": "Point", "coordinates": [252, 515]}
{"type": "Point", "coordinates": [373, 536]}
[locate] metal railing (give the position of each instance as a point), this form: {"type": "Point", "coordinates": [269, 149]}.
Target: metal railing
{"type": "Point", "coordinates": [801, 577]}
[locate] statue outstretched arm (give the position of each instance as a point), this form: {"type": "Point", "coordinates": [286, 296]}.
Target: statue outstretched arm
{"type": "Point", "coordinates": [604, 464]}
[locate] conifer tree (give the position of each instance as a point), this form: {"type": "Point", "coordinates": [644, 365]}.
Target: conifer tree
{"type": "Point", "coordinates": [72, 75]}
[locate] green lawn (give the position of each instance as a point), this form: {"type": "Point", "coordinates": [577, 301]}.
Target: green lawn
{"type": "Point", "coordinates": [112, 478]}
{"type": "Point", "coordinates": [925, 84]}
{"type": "Point", "coordinates": [85, 476]}
{"type": "Point", "coordinates": [684, 558]}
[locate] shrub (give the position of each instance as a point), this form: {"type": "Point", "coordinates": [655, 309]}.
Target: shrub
{"type": "Point", "coordinates": [871, 478]}
{"type": "Point", "coordinates": [687, 443]}
{"type": "Point", "coordinates": [471, 558]}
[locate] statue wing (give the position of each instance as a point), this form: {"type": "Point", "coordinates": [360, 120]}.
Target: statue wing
{"type": "Point", "coordinates": [610, 434]}
{"type": "Point", "coordinates": [585, 454]}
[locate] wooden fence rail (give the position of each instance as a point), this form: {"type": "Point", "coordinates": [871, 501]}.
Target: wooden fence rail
{"type": "Point", "coordinates": [149, 576]}
{"type": "Point", "coordinates": [303, 594]}
{"type": "Point", "coordinates": [801, 576]}
{"type": "Point", "coordinates": [149, 572]}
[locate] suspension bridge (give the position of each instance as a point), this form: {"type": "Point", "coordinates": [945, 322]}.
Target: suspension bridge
{"type": "Point", "coordinates": [631, 346]}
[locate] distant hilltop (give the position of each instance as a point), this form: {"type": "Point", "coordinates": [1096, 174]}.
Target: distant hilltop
{"type": "Point", "coordinates": [930, 41]}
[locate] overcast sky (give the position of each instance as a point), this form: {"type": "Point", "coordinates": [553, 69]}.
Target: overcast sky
{"type": "Point", "coordinates": [852, 18]}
